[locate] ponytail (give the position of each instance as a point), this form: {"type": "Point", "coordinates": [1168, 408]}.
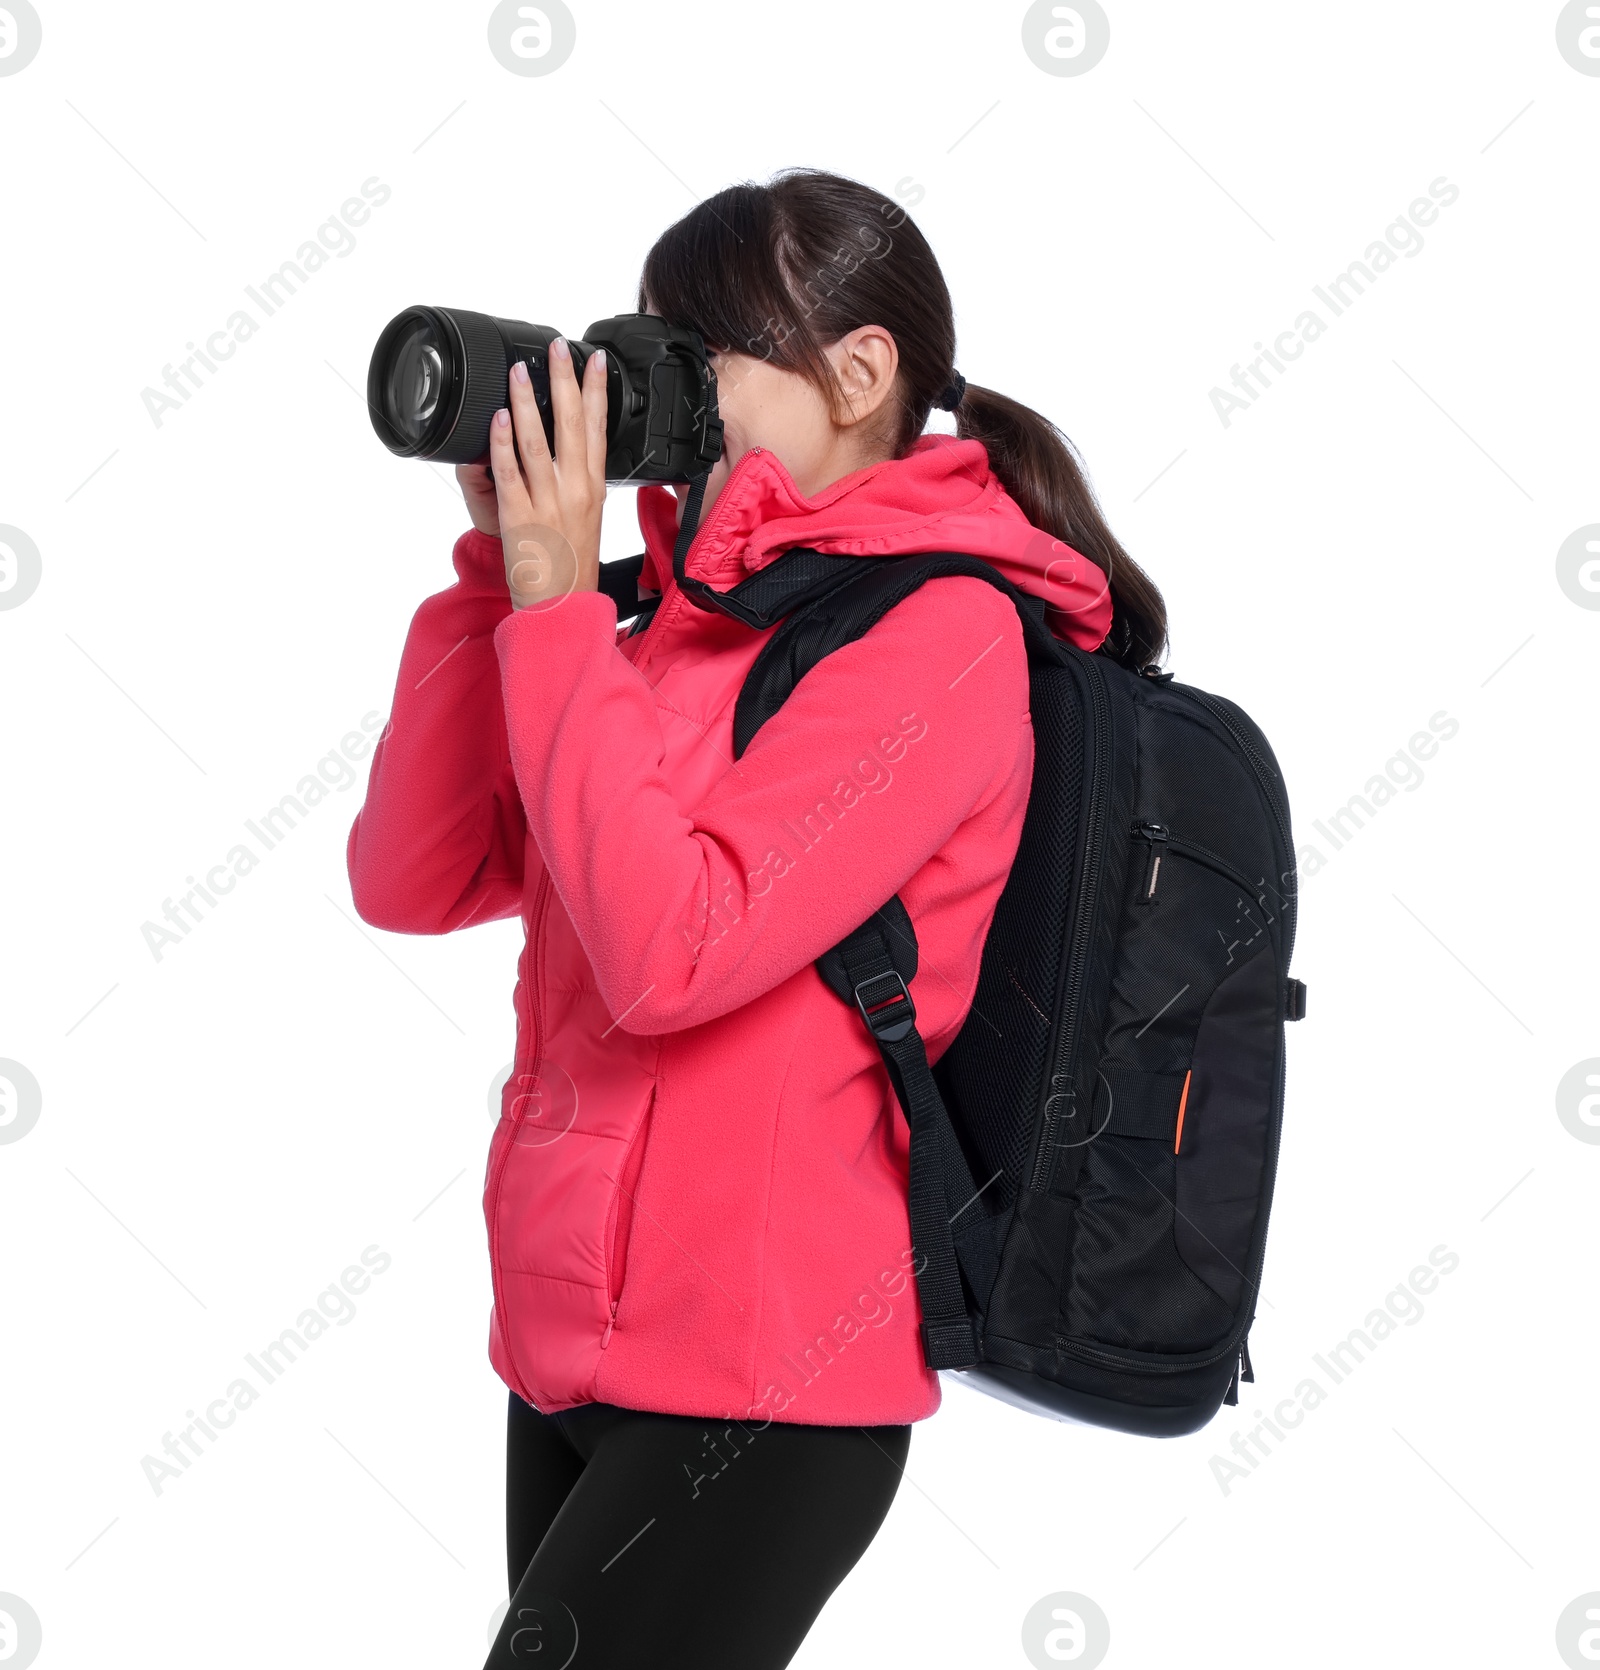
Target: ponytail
{"type": "Point", "coordinates": [1040, 469]}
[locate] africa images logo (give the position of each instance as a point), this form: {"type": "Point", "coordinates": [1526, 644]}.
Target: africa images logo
{"type": "Point", "coordinates": [20, 36]}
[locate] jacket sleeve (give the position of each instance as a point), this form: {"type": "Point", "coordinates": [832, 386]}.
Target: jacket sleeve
{"type": "Point", "coordinates": [879, 754]}
{"type": "Point", "coordinates": [438, 843]}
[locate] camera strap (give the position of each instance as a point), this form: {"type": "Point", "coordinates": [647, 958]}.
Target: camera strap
{"type": "Point", "coordinates": [687, 523]}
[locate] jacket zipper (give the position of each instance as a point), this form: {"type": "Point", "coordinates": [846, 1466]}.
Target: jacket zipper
{"type": "Point", "coordinates": [668, 606]}
{"type": "Point", "coordinates": [672, 599]}
{"type": "Point", "coordinates": [541, 903]}
{"type": "Point", "coordinates": [1082, 925]}
{"type": "Point", "coordinates": [622, 1231]}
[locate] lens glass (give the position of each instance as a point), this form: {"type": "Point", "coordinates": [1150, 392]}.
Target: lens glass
{"type": "Point", "coordinates": [415, 381]}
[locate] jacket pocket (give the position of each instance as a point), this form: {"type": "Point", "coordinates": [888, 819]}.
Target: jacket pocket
{"type": "Point", "coordinates": [622, 1207]}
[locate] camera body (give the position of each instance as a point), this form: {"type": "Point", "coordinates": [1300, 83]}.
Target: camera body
{"type": "Point", "coordinates": [438, 375]}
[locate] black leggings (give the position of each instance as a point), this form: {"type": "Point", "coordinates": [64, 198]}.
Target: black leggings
{"type": "Point", "coordinates": [667, 1540]}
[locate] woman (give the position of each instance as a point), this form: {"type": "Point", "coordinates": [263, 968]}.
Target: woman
{"type": "Point", "coordinates": [704, 1303]}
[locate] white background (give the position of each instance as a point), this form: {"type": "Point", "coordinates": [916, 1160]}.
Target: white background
{"type": "Point", "coordinates": [224, 1129]}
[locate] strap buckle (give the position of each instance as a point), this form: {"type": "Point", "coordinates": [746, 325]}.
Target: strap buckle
{"type": "Point", "coordinates": [889, 1012]}
{"type": "Point", "coordinates": [952, 1344]}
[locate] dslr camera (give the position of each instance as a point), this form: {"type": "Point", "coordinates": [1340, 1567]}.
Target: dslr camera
{"type": "Point", "coordinates": [438, 376]}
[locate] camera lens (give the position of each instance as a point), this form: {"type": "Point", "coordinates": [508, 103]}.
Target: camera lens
{"type": "Point", "coordinates": [415, 381]}
{"type": "Point", "coordinates": [438, 374]}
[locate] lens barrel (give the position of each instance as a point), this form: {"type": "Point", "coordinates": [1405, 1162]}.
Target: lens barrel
{"type": "Point", "coordinates": [437, 377]}
{"type": "Point", "coordinates": [439, 374]}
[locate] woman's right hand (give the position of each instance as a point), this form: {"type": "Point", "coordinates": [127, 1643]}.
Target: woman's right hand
{"type": "Point", "coordinates": [477, 488]}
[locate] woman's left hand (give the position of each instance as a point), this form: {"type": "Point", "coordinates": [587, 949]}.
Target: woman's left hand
{"type": "Point", "coordinates": [550, 508]}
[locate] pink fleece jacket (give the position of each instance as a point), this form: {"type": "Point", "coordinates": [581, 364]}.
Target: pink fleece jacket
{"type": "Point", "coordinates": [696, 1193]}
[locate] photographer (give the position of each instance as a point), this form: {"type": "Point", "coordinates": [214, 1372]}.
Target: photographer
{"type": "Point", "coordinates": [700, 1170]}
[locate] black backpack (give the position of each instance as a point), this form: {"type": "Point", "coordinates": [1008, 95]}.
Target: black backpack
{"type": "Point", "coordinates": [1092, 1158]}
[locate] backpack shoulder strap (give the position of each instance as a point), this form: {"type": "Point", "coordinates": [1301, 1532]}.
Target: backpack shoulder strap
{"type": "Point", "coordinates": [759, 600]}
{"type": "Point", "coordinates": [817, 626]}
{"type": "Point", "coordinates": [953, 1236]}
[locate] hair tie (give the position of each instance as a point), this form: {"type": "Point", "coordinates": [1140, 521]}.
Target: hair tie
{"type": "Point", "coordinates": [953, 394]}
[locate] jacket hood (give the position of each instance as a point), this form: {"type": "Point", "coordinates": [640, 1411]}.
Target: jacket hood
{"type": "Point", "coordinates": [942, 496]}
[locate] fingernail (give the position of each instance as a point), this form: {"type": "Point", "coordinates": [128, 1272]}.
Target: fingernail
{"type": "Point", "coordinates": [520, 372]}
{"type": "Point", "coordinates": [502, 419]}
{"type": "Point", "coordinates": [560, 349]}
{"type": "Point", "coordinates": [600, 358]}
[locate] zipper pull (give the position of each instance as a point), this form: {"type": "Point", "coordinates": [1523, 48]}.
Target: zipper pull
{"type": "Point", "coordinates": [609, 1326]}
{"type": "Point", "coordinates": [1156, 834]}
{"type": "Point", "coordinates": [1246, 1371]}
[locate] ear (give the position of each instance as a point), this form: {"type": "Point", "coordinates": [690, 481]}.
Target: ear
{"type": "Point", "coordinates": [866, 362]}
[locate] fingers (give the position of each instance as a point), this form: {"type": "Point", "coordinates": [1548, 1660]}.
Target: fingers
{"type": "Point", "coordinates": [567, 403]}
{"type": "Point", "coordinates": [516, 509]}
{"type": "Point", "coordinates": [529, 428]}
{"type": "Point", "coordinates": [594, 416]}
{"type": "Point", "coordinates": [550, 508]}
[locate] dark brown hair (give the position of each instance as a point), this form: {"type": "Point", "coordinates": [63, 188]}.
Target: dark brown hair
{"type": "Point", "coordinates": [780, 270]}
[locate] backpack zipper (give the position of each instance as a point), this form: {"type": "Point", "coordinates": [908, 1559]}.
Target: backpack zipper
{"type": "Point", "coordinates": [1270, 784]}
{"type": "Point", "coordinates": [1135, 1362]}
{"type": "Point", "coordinates": [1159, 835]}
{"type": "Point", "coordinates": [1082, 926]}
{"type": "Point", "coordinates": [1266, 777]}
{"type": "Point", "coordinates": [1144, 1362]}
